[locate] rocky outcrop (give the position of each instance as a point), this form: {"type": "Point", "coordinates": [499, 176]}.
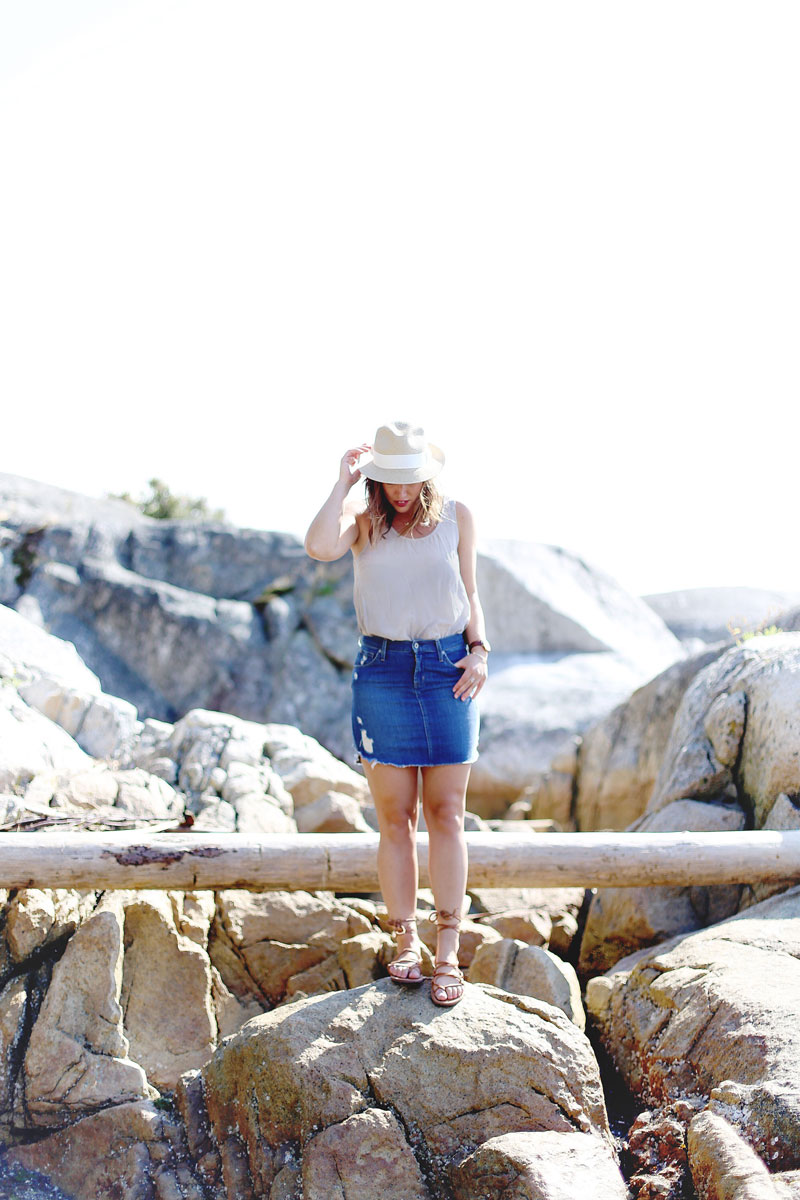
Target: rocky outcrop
{"type": "Point", "coordinates": [720, 614]}
{"type": "Point", "coordinates": [732, 753]}
{"type": "Point", "coordinates": [69, 751]}
{"type": "Point", "coordinates": [385, 1054]}
{"type": "Point", "coordinates": [544, 598]}
{"type": "Point", "coordinates": [128, 1150]}
{"type": "Point", "coordinates": [619, 758]}
{"type": "Point", "coordinates": [711, 1018]}
{"type": "Point", "coordinates": [174, 616]}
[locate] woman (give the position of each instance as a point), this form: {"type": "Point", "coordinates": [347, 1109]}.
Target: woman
{"type": "Point", "coordinates": [422, 660]}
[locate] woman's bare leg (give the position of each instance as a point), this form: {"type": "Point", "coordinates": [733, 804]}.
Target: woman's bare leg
{"type": "Point", "coordinates": [395, 792]}
{"type": "Point", "coordinates": [444, 792]}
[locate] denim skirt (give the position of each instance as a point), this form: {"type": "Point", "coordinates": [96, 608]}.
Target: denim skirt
{"type": "Point", "coordinates": [404, 710]}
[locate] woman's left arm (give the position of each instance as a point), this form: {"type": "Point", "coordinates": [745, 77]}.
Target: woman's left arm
{"type": "Point", "coordinates": [474, 664]}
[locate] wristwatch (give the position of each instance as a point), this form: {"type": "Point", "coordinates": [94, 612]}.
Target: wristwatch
{"type": "Point", "coordinates": [478, 642]}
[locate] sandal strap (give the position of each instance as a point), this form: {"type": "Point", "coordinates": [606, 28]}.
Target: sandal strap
{"type": "Point", "coordinates": [445, 919]}
{"type": "Point", "coordinates": [450, 972]}
{"type": "Point", "coordinates": [405, 957]}
{"type": "Point", "coordinates": [402, 924]}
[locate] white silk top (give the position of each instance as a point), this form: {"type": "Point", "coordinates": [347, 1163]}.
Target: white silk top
{"type": "Point", "coordinates": [408, 589]}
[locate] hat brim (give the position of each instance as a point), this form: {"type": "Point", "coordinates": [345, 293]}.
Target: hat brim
{"type": "Point", "coordinates": [422, 474]}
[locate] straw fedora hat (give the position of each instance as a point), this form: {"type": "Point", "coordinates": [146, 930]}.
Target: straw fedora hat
{"type": "Point", "coordinates": [401, 454]}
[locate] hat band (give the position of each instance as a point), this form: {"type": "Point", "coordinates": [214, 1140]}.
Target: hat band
{"type": "Point", "coordinates": [399, 462]}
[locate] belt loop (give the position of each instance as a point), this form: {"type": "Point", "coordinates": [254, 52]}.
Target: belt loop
{"type": "Point", "coordinates": [439, 650]}
{"type": "Point", "coordinates": [383, 649]}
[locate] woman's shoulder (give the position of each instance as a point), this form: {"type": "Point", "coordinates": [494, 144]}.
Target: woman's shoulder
{"type": "Point", "coordinates": [362, 535]}
{"type": "Point", "coordinates": [456, 510]}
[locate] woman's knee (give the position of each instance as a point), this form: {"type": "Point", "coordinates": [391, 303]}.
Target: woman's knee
{"type": "Point", "coordinates": [445, 815]}
{"type": "Point", "coordinates": [397, 823]}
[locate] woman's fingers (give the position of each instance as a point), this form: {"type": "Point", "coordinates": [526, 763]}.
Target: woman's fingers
{"type": "Point", "coordinates": [473, 677]}
{"type": "Point", "coordinates": [350, 458]}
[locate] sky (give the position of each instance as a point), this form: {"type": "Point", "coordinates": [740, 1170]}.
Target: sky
{"type": "Point", "coordinates": [562, 237]}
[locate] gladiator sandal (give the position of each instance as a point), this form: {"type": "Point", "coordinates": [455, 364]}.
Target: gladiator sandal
{"type": "Point", "coordinates": [407, 959]}
{"type": "Point", "coordinates": [446, 974]}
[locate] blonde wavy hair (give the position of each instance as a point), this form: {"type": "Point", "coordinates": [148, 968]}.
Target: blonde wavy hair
{"type": "Point", "coordinates": [381, 513]}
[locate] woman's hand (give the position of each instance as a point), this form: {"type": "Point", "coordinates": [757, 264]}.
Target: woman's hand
{"type": "Point", "coordinates": [348, 471]}
{"type": "Point", "coordinates": [475, 670]}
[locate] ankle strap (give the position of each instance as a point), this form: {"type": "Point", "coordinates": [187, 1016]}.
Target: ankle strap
{"type": "Point", "coordinates": [402, 924]}
{"type": "Point", "coordinates": [445, 919]}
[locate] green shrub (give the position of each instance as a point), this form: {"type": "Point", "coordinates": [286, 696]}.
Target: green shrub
{"type": "Point", "coordinates": [164, 505]}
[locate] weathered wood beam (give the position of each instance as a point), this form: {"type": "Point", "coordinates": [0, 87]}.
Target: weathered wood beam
{"type": "Point", "coordinates": [347, 862]}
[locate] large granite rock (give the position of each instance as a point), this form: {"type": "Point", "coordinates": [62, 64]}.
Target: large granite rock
{"type": "Point", "coordinates": [712, 1017]}
{"type": "Point", "coordinates": [738, 725]}
{"type": "Point", "coordinates": [540, 1166]}
{"type": "Point", "coordinates": [529, 970]}
{"type": "Point", "coordinates": [452, 1080]}
{"type": "Point", "coordinates": [733, 751]}
{"type": "Point", "coordinates": [619, 758]}
{"type": "Point", "coordinates": [77, 1059]}
{"type": "Point", "coordinates": [544, 598]}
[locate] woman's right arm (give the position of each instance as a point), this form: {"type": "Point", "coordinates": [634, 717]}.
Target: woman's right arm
{"type": "Point", "coordinates": [334, 529]}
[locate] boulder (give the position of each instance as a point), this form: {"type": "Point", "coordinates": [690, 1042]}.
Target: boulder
{"type": "Point", "coordinates": [143, 638]}
{"type": "Point", "coordinates": [104, 726]}
{"type": "Point", "coordinates": [529, 971]}
{"type": "Point", "coordinates": [723, 1166]}
{"type": "Point", "coordinates": [28, 652]}
{"type": "Point", "coordinates": [713, 1015]}
{"type": "Point", "coordinates": [540, 1166]}
{"type": "Point", "coordinates": [77, 1059]}
{"type": "Point", "coordinates": [620, 920]}
{"type": "Point", "coordinates": [271, 945]}
{"type": "Point", "coordinates": [306, 769]}
{"type": "Point", "coordinates": [332, 812]}
{"type": "Point", "coordinates": [30, 503]}
{"type": "Point", "coordinates": [544, 598]}
{"type": "Point", "coordinates": [733, 750]}
{"type": "Point", "coordinates": [218, 560]}
{"type": "Point", "coordinates": [522, 1066]}
{"type": "Point", "coordinates": [30, 744]}
{"type": "Point", "coordinates": [130, 1150]}
{"type": "Point", "coordinates": [35, 918]}
{"type": "Point", "coordinates": [524, 925]}
{"type": "Point", "coordinates": [765, 760]}
{"type": "Point", "coordinates": [619, 758]}
{"type": "Point", "coordinates": [165, 1039]}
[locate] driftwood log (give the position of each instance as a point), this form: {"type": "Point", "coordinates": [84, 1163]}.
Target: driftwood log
{"type": "Point", "coordinates": [348, 862]}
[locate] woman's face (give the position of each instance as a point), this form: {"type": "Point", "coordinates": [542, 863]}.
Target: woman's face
{"type": "Point", "coordinates": [403, 497]}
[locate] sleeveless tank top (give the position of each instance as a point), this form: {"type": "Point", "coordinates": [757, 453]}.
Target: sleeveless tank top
{"type": "Point", "coordinates": [409, 589]}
